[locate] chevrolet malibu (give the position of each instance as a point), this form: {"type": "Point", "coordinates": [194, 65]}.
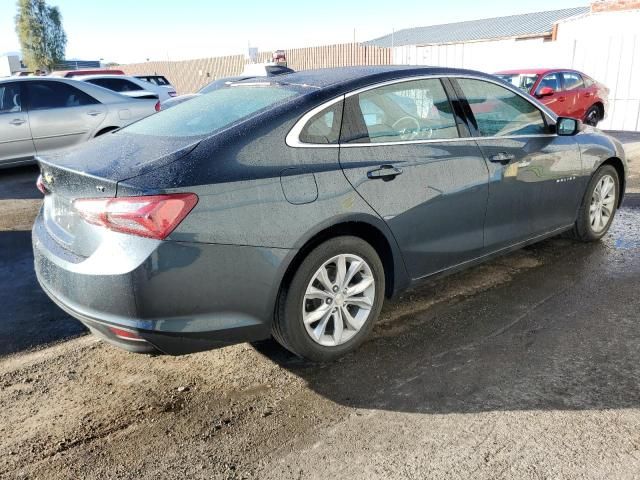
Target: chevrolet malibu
{"type": "Point", "coordinates": [293, 206]}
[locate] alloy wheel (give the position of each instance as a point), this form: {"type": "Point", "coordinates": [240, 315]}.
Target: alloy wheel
{"type": "Point", "coordinates": [338, 300]}
{"type": "Point", "coordinates": [602, 203]}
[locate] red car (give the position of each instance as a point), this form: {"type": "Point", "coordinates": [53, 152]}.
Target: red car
{"type": "Point", "coordinates": [568, 93]}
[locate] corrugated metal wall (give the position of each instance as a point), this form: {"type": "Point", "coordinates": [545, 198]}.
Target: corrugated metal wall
{"type": "Point", "coordinates": [605, 46]}
{"type": "Point", "coordinates": [190, 75]}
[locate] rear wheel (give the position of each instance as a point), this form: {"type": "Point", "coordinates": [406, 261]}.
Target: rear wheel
{"type": "Point", "coordinates": [593, 116]}
{"type": "Point", "coordinates": [332, 301]}
{"type": "Point", "coordinates": [598, 205]}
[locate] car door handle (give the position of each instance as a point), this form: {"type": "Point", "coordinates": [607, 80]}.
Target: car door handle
{"type": "Point", "coordinates": [385, 172]}
{"type": "Point", "coordinates": [562, 99]}
{"type": "Point", "coordinates": [17, 121]}
{"type": "Point", "coordinates": [94, 113]}
{"type": "Point", "coordinates": [502, 157]}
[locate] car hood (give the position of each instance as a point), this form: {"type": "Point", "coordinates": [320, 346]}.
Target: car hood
{"type": "Point", "coordinates": [119, 156]}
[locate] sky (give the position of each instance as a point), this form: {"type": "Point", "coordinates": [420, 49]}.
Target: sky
{"type": "Point", "coordinates": [129, 31]}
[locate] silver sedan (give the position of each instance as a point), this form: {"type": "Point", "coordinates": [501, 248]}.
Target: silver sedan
{"type": "Point", "coordinates": [40, 115]}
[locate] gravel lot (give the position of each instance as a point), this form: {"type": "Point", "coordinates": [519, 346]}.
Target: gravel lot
{"type": "Point", "coordinates": [526, 367]}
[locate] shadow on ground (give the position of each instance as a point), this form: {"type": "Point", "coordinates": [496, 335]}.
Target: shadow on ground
{"type": "Point", "coordinates": [19, 183]}
{"type": "Point", "coordinates": [564, 335]}
{"type": "Point", "coordinates": [28, 318]}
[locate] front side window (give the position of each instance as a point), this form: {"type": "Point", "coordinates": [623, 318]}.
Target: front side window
{"type": "Point", "coordinates": [47, 95]}
{"type": "Point", "coordinates": [552, 80]}
{"type": "Point", "coordinates": [324, 127]}
{"type": "Point", "coordinates": [10, 98]}
{"type": "Point", "coordinates": [572, 81]}
{"type": "Point", "coordinates": [206, 114]}
{"type": "Point", "coordinates": [500, 112]}
{"type": "Point", "coordinates": [406, 111]}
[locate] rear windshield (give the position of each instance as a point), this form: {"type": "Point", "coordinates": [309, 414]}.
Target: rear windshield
{"type": "Point", "coordinates": [155, 79]}
{"type": "Point", "coordinates": [205, 114]}
{"type": "Point", "coordinates": [524, 81]}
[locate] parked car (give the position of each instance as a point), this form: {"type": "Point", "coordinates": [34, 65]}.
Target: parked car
{"type": "Point", "coordinates": [282, 208]}
{"type": "Point", "coordinates": [85, 71]}
{"type": "Point", "coordinates": [130, 86]}
{"type": "Point", "coordinates": [567, 92]}
{"type": "Point", "coordinates": [261, 71]}
{"type": "Point", "coordinates": [40, 115]}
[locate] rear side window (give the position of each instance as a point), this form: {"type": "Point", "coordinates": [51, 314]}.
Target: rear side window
{"type": "Point", "coordinates": [46, 95]}
{"type": "Point", "coordinates": [205, 114]}
{"type": "Point", "coordinates": [406, 111]}
{"type": "Point", "coordinates": [572, 81]}
{"type": "Point", "coordinates": [10, 98]}
{"type": "Point", "coordinates": [116, 84]}
{"type": "Point", "coordinates": [500, 112]}
{"type": "Point", "coordinates": [324, 127]}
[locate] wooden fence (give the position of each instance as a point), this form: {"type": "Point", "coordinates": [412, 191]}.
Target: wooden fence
{"type": "Point", "coordinates": [190, 75]}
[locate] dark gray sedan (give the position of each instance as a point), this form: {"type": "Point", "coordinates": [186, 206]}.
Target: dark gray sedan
{"type": "Point", "coordinates": [292, 206]}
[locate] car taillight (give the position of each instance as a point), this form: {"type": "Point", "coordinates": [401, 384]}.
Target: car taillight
{"type": "Point", "coordinates": [152, 216]}
{"type": "Point", "coordinates": [41, 186]}
{"type": "Point", "coordinates": [157, 106]}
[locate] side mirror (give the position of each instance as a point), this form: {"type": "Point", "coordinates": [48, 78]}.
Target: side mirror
{"type": "Point", "coordinates": [567, 126]}
{"type": "Point", "coordinates": [545, 92]}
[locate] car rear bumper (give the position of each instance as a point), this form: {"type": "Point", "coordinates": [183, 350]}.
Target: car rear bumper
{"type": "Point", "coordinates": [178, 297]}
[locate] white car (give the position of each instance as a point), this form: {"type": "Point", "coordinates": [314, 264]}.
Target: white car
{"type": "Point", "coordinates": [130, 86]}
{"type": "Point", "coordinates": [40, 115]}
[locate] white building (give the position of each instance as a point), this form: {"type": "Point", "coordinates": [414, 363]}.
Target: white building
{"type": "Point", "coordinates": [602, 40]}
{"type": "Point", "coordinates": [10, 65]}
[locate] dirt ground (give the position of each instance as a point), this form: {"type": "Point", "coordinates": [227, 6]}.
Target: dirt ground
{"type": "Point", "coordinates": [526, 367]}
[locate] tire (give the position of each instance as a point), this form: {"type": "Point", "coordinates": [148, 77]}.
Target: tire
{"type": "Point", "coordinates": [584, 229]}
{"type": "Point", "coordinates": [593, 116]}
{"type": "Point", "coordinates": [309, 295]}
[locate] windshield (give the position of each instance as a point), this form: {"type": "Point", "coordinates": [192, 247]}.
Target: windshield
{"type": "Point", "coordinates": [524, 81]}
{"type": "Point", "coordinates": [206, 114]}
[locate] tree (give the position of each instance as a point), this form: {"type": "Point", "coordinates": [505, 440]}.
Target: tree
{"type": "Point", "coordinates": [42, 38]}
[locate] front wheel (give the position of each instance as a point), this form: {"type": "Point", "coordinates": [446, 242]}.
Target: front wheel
{"type": "Point", "coordinates": [329, 306]}
{"type": "Point", "coordinates": [598, 205]}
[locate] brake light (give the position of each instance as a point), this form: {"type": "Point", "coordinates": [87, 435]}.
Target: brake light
{"type": "Point", "coordinates": [157, 107]}
{"type": "Point", "coordinates": [153, 216]}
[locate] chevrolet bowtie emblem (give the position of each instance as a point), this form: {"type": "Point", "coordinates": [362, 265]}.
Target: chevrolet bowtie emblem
{"type": "Point", "coordinates": [48, 178]}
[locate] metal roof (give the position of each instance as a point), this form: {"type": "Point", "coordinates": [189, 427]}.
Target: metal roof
{"type": "Point", "coordinates": [513, 26]}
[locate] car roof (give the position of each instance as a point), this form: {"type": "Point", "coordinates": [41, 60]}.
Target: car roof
{"type": "Point", "coordinates": [347, 78]}
{"type": "Point", "coordinates": [38, 79]}
{"type": "Point", "coordinates": [102, 75]}
{"type": "Point", "coordinates": [538, 71]}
